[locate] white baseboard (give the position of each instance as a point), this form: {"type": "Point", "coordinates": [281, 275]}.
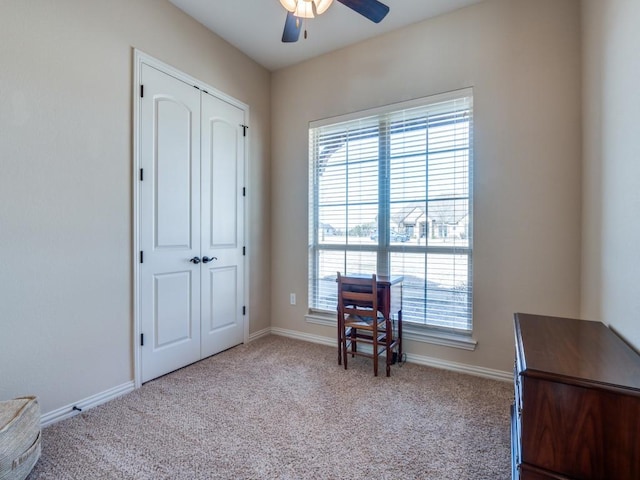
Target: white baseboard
{"type": "Point", "coordinates": [461, 368]}
{"type": "Point", "coordinates": [259, 334]}
{"type": "Point", "coordinates": [411, 358]}
{"type": "Point", "coordinates": [307, 337]}
{"type": "Point", "coordinates": [85, 404]}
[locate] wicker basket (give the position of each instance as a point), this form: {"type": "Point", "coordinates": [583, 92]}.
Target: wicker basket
{"type": "Point", "coordinates": [19, 437]}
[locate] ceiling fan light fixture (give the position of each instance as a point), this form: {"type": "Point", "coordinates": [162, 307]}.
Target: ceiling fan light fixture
{"type": "Point", "coordinates": [306, 8]}
{"type": "Point", "coordinates": [322, 5]}
{"type": "Point", "coordinates": [289, 5]}
{"type": "Point", "coordinates": [298, 10]}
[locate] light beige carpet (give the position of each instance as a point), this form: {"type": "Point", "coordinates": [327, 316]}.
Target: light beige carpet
{"type": "Point", "coordinates": [283, 409]}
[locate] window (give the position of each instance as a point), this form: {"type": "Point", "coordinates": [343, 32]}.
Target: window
{"type": "Point", "coordinates": [390, 192]}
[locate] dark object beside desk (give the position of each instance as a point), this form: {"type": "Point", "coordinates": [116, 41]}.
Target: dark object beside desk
{"type": "Point", "coordinates": [577, 401]}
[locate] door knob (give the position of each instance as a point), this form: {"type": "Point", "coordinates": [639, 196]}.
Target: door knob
{"type": "Point", "coordinates": [206, 259]}
{"type": "Point", "coordinates": [195, 260]}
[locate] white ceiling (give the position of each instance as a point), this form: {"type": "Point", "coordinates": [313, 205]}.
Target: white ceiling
{"type": "Point", "coordinates": [255, 26]}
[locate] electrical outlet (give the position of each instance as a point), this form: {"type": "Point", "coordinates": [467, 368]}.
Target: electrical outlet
{"type": "Point", "coordinates": [292, 298]}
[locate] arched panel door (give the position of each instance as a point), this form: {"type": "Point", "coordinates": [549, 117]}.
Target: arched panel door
{"type": "Point", "coordinates": [191, 224]}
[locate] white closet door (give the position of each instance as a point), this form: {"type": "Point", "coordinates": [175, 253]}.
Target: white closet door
{"type": "Point", "coordinates": [222, 239]}
{"type": "Point", "coordinates": [169, 223]}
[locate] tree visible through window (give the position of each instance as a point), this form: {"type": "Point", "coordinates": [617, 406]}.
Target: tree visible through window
{"type": "Point", "coordinates": [390, 193]}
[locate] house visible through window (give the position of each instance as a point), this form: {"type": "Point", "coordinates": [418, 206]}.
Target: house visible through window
{"type": "Point", "coordinates": [390, 193]}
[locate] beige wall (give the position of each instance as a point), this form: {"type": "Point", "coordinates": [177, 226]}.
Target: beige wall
{"type": "Point", "coordinates": [66, 289]}
{"type": "Point", "coordinates": [611, 200]}
{"type": "Point", "coordinates": [522, 58]}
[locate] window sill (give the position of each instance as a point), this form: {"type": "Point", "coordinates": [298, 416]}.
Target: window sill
{"type": "Point", "coordinates": [415, 333]}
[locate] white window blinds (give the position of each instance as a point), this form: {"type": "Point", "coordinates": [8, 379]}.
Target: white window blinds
{"type": "Point", "coordinates": [390, 193]}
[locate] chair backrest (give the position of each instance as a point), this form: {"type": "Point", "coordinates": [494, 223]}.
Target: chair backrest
{"type": "Point", "coordinates": [358, 296]}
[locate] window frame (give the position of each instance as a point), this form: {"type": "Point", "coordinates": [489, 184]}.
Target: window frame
{"type": "Point", "coordinates": [384, 249]}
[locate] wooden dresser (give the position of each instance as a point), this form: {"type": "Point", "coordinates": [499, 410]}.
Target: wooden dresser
{"type": "Point", "coordinates": [577, 401]}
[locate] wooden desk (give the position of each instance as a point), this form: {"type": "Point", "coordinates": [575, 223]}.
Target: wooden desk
{"type": "Point", "coordinates": [389, 300]}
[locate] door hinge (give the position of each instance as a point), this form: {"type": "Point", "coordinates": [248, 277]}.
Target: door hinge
{"type": "Point", "coordinates": [244, 250]}
{"type": "Point", "coordinates": [141, 256]}
{"type": "Point", "coordinates": [142, 339]}
{"type": "Point", "coordinates": [142, 91]}
{"type": "Point", "coordinates": [244, 310]}
{"type": "Point", "coordinates": [244, 129]}
{"type": "Point", "coordinates": [141, 174]}
{"type": "Point", "coordinates": [244, 191]}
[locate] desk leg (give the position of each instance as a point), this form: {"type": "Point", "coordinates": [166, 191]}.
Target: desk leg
{"type": "Point", "coordinates": [339, 339]}
{"type": "Point", "coordinates": [399, 335]}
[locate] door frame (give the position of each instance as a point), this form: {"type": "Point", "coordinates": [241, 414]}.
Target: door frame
{"type": "Point", "coordinates": [140, 58]}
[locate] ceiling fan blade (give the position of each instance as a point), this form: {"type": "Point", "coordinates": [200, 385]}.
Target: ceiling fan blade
{"type": "Point", "coordinates": [292, 26]}
{"type": "Point", "coordinates": [372, 9]}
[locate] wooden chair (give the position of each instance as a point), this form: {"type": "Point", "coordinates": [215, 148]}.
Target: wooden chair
{"type": "Point", "coordinates": [359, 321]}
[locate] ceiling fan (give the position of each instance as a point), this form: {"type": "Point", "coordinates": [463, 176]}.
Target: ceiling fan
{"type": "Point", "coordinates": [297, 10]}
